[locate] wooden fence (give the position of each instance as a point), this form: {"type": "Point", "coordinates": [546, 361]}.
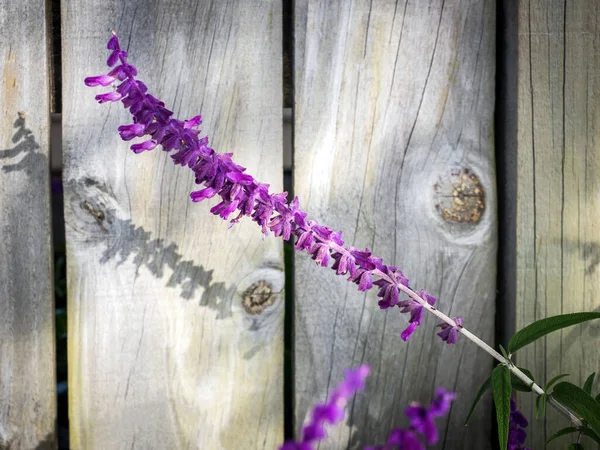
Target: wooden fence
{"type": "Point", "coordinates": [393, 115]}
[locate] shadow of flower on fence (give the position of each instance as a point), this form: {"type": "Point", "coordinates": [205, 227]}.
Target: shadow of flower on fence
{"type": "Point", "coordinates": [589, 252]}
{"type": "Point", "coordinates": [33, 160]}
{"type": "Point", "coordinates": [15, 441]}
{"type": "Point", "coordinates": [48, 443]}
{"type": "Point", "coordinates": [122, 240]}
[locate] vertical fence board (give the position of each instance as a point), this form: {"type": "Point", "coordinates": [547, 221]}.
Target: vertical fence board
{"type": "Point", "coordinates": [558, 246]}
{"type": "Point", "coordinates": [27, 366]}
{"type": "Point", "coordinates": [393, 102]}
{"type": "Point", "coordinates": [162, 352]}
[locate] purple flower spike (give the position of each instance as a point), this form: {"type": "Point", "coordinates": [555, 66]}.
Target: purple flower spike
{"type": "Point", "coordinates": [441, 403]}
{"type": "Point", "coordinates": [241, 195]}
{"type": "Point", "coordinates": [406, 440]}
{"type": "Point", "coordinates": [421, 419]}
{"type": "Point", "coordinates": [449, 334]}
{"type": "Point", "coordinates": [401, 439]}
{"type": "Point", "coordinates": [516, 433]}
{"type": "Point", "coordinates": [421, 423]}
{"type": "Point", "coordinates": [331, 412]}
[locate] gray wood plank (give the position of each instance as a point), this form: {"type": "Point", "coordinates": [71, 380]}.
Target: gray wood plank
{"type": "Point", "coordinates": [27, 364]}
{"type": "Point", "coordinates": [394, 101]}
{"type": "Point", "coordinates": [162, 352]}
{"type": "Point", "coordinates": [558, 204]}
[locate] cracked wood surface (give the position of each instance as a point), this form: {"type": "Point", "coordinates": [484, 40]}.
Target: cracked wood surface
{"type": "Point", "coordinates": [394, 101]}
{"type": "Point", "coordinates": [27, 358]}
{"type": "Point", "coordinates": [558, 202]}
{"type": "Point", "coordinates": [162, 353]}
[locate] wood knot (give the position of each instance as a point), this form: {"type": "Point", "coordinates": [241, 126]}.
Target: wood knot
{"type": "Point", "coordinates": [460, 197]}
{"type": "Point", "coordinates": [258, 297]}
{"type": "Point", "coordinates": [97, 213]}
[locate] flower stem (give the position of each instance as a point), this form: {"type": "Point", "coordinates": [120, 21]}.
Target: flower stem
{"type": "Point", "coordinates": [514, 369]}
{"type": "Point", "coordinates": [480, 343]}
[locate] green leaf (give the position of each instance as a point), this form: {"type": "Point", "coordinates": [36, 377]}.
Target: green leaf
{"type": "Point", "coordinates": [562, 432]}
{"type": "Point", "coordinates": [576, 446]}
{"type": "Point", "coordinates": [550, 383]}
{"type": "Point", "coordinates": [518, 384]}
{"type": "Point", "coordinates": [576, 399]}
{"type": "Point", "coordinates": [504, 353]}
{"type": "Point", "coordinates": [589, 433]}
{"type": "Point", "coordinates": [502, 390]}
{"type": "Point", "coordinates": [540, 402]}
{"type": "Point", "coordinates": [545, 326]}
{"type": "Point", "coordinates": [482, 390]}
{"type": "Point", "coordinates": [543, 404]}
{"type": "Point", "coordinates": [598, 398]}
{"type": "Point", "coordinates": [587, 387]}
{"type": "Point", "coordinates": [537, 405]}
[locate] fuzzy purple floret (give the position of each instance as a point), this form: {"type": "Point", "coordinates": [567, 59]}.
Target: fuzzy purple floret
{"type": "Point", "coordinates": [241, 195]}
{"type": "Point", "coordinates": [449, 334]}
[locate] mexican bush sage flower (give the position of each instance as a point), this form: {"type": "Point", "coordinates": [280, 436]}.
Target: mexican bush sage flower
{"type": "Point", "coordinates": [422, 424]}
{"type": "Point", "coordinates": [331, 412]}
{"type": "Point", "coordinates": [242, 196]}
{"type": "Point", "coordinates": [516, 432]}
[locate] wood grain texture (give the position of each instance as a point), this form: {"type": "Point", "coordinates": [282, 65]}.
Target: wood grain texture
{"type": "Point", "coordinates": [558, 243]}
{"type": "Point", "coordinates": [392, 100]}
{"type": "Point", "coordinates": [162, 352]}
{"type": "Point", "coordinates": [27, 365]}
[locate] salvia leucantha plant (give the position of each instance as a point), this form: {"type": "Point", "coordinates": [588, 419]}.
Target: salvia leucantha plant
{"type": "Point", "coordinates": [240, 195]}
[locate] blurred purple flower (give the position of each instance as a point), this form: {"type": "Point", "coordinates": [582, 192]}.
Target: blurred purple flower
{"type": "Point", "coordinates": [401, 439]}
{"type": "Point", "coordinates": [331, 412]}
{"type": "Point", "coordinates": [516, 432]}
{"type": "Point", "coordinates": [421, 423]}
{"type": "Point", "coordinates": [421, 418]}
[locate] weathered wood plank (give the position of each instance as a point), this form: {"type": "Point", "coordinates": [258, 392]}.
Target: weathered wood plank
{"type": "Point", "coordinates": [27, 365]}
{"type": "Point", "coordinates": [392, 99]}
{"type": "Point", "coordinates": [162, 352]}
{"type": "Point", "coordinates": [558, 190]}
